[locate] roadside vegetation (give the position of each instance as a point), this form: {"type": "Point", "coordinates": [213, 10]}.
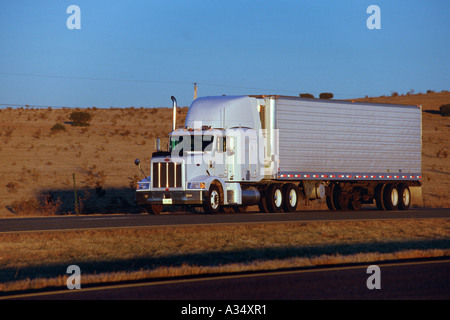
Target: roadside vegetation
{"type": "Point", "coordinates": [35, 260]}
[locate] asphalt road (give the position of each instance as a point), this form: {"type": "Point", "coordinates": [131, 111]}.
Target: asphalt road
{"type": "Point", "coordinates": [172, 219]}
{"type": "Point", "coordinates": [404, 280]}
{"type": "Point", "coordinates": [413, 280]}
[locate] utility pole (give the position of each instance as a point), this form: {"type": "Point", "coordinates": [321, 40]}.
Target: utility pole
{"type": "Point", "coordinates": [195, 90]}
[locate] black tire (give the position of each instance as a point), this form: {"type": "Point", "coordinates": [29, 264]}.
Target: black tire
{"type": "Point", "coordinates": [379, 189]}
{"type": "Point", "coordinates": [338, 200]}
{"type": "Point", "coordinates": [344, 201]}
{"type": "Point", "coordinates": [404, 197]}
{"type": "Point", "coordinates": [355, 205]}
{"type": "Point", "coordinates": [290, 197]}
{"type": "Point", "coordinates": [391, 197]}
{"type": "Point", "coordinates": [262, 204]}
{"type": "Point", "coordinates": [355, 201]}
{"type": "Point", "coordinates": [212, 202]}
{"type": "Point", "coordinates": [153, 208]}
{"type": "Point", "coordinates": [274, 198]}
{"type": "Point", "coordinates": [332, 196]}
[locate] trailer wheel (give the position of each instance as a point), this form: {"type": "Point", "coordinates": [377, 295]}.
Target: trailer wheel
{"type": "Point", "coordinates": [391, 197]}
{"type": "Point", "coordinates": [274, 198]}
{"type": "Point", "coordinates": [355, 204]}
{"type": "Point", "coordinates": [379, 190]}
{"type": "Point", "coordinates": [405, 197]}
{"type": "Point", "coordinates": [290, 197]}
{"type": "Point", "coordinates": [344, 201]}
{"type": "Point", "coordinates": [332, 196]}
{"type": "Point", "coordinates": [355, 201]}
{"type": "Point", "coordinates": [212, 202]}
{"type": "Point", "coordinates": [153, 208]}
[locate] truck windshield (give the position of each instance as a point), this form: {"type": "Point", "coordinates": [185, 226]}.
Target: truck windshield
{"type": "Point", "coordinates": [194, 142]}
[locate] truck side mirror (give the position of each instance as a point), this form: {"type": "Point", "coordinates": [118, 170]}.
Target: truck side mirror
{"type": "Point", "coordinates": [138, 163]}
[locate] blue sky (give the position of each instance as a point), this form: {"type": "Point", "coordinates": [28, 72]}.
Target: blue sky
{"type": "Point", "coordinates": [139, 53]}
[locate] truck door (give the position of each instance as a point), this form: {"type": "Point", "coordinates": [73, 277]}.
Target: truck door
{"type": "Point", "coordinates": [220, 157]}
{"type": "Point", "coordinates": [253, 156]}
{"type": "Point", "coordinates": [230, 157]}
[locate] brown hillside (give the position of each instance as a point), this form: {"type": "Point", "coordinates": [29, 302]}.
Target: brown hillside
{"type": "Point", "coordinates": [36, 160]}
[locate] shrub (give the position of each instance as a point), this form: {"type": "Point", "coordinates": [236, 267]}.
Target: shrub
{"type": "Point", "coordinates": [46, 206]}
{"type": "Point", "coordinates": [442, 153]}
{"type": "Point", "coordinates": [306, 95]}
{"type": "Point", "coordinates": [58, 127]}
{"type": "Point", "coordinates": [37, 134]}
{"type": "Point", "coordinates": [26, 207]}
{"type": "Point", "coordinates": [326, 95]}
{"type": "Point", "coordinates": [80, 118]}
{"type": "Point", "coordinates": [445, 110]}
{"type": "Point", "coordinates": [12, 187]}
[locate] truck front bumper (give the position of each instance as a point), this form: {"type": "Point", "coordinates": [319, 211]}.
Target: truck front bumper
{"type": "Point", "coordinates": [193, 197]}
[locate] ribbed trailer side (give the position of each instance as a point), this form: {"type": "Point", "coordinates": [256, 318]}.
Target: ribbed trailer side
{"type": "Point", "coordinates": [340, 140]}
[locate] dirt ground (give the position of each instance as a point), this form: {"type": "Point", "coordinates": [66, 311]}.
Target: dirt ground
{"type": "Point", "coordinates": [37, 161]}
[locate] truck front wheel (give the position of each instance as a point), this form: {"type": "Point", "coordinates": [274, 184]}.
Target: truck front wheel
{"type": "Point", "coordinates": [153, 208]}
{"type": "Point", "coordinates": [212, 202]}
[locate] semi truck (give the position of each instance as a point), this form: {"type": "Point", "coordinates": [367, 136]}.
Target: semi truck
{"type": "Point", "coordinates": [275, 151]}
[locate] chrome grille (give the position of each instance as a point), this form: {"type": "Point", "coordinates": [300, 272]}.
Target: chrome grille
{"type": "Point", "coordinates": [166, 175]}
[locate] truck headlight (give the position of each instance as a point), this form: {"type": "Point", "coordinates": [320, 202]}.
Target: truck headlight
{"type": "Point", "coordinates": [143, 185]}
{"type": "Point", "coordinates": [196, 185]}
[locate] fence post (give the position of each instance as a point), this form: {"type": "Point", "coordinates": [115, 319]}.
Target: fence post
{"type": "Point", "coordinates": [75, 195]}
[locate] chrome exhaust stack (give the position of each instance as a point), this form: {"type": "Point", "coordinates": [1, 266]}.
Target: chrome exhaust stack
{"type": "Point", "coordinates": [174, 119]}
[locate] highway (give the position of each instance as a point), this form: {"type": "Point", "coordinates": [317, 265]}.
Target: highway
{"type": "Point", "coordinates": [414, 280]}
{"type": "Point", "coordinates": [82, 222]}
{"type": "Point", "coordinates": [425, 279]}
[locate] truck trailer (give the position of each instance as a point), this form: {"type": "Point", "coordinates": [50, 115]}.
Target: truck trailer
{"type": "Point", "coordinates": [273, 151]}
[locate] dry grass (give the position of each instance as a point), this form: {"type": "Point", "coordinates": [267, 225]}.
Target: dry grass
{"type": "Point", "coordinates": [37, 160]}
{"type": "Point", "coordinates": [40, 259]}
